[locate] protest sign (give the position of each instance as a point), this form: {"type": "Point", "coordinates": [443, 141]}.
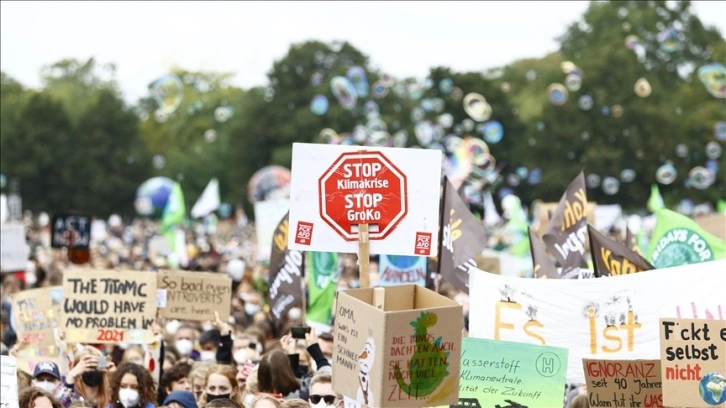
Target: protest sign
{"type": "Point", "coordinates": [693, 362]}
{"type": "Point", "coordinates": [623, 383]}
{"type": "Point", "coordinates": [336, 188]}
{"type": "Point", "coordinates": [36, 313]}
{"type": "Point", "coordinates": [402, 270]}
{"type": "Point", "coordinates": [70, 231]}
{"type": "Point", "coordinates": [678, 240]}
{"type": "Point", "coordinates": [614, 317]}
{"type": "Point", "coordinates": [13, 251]}
{"type": "Point", "coordinates": [501, 373]}
{"type": "Point", "coordinates": [398, 346]}
{"type": "Point", "coordinates": [8, 382]}
{"type": "Point", "coordinates": [194, 295]}
{"type": "Point", "coordinates": [267, 216]}
{"type": "Point", "coordinates": [102, 306]}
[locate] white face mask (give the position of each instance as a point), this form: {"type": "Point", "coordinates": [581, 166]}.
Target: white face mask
{"type": "Point", "coordinates": [128, 397]}
{"type": "Point", "coordinates": [251, 309]}
{"type": "Point", "coordinates": [46, 386]}
{"type": "Point", "coordinates": [208, 355]}
{"type": "Point", "coordinates": [240, 356]}
{"type": "Point", "coordinates": [184, 347]}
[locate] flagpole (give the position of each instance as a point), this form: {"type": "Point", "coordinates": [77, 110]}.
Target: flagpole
{"type": "Point", "coordinates": [441, 234]}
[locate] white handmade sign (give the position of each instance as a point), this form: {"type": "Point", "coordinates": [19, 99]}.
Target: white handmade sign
{"type": "Point", "coordinates": [605, 318]}
{"type": "Point", "coordinates": [13, 251]}
{"type": "Point", "coordinates": [334, 189]}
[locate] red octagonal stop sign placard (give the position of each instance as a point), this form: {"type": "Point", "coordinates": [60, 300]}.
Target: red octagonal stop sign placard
{"type": "Point", "coordinates": [363, 187]}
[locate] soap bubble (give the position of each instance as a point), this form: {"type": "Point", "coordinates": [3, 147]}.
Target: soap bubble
{"type": "Point", "coordinates": [329, 136]}
{"type": "Point", "coordinates": [380, 90]}
{"type": "Point", "coordinates": [319, 105]}
{"type": "Point", "coordinates": [344, 92]}
{"type": "Point", "coordinates": [158, 161]}
{"type": "Point", "coordinates": [666, 174]}
{"type": "Point", "coordinates": [642, 88]}
{"type": "Point", "coordinates": [585, 102]}
{"type": "Point", "coordinates": [535, 176]}
{"type": "Point", "coordinates": [681, 150]}
{"type": "Point", "coordinates": [357, 76]}
{"type": "Point", "coordinates": [493, 131]}
{"type": "Point", "coordinates": [719, 131]}
{"type": "Point", "coordinates": [701, 178]}
{"type": "Point", "coordinates": [713, 150]}
{"type": "Point", "coordinates": [557, 94]}
{"type": "Point", "coordinates": [400, 138]}
{"type": "Point", "coordinates": [446, 85]}
{"type": "Point", "coordinates": [669, 40]}
{"type": "Point", "coordinates": [379, 138]}
{"type": "Point", "coordinates": [610, 185]}
{"type": "Point", "coordinates": [631, 42]}
{"type": "Point", "coordinates": [446, 120]}
{"type": "Point", "coordinates": [424, 133]}
{"type": "Point", "coordinates": [713, 77]}
{"type": "Point", "coordinates": [223, 113]}
{"type": "Point", "coordinates": [573, 82]}
{"type": "Point", "coordinates": [627, 175]}
{"type": "Point", "coordinates": [592, 180]}
{"type": "Point", "coordinates": [168, 92]}
{"type": "Point", "coordinates": [316, 79]}
{"type": "Point", "coordinates": [210, 135]}
{"type": "Point", "coordinates": [476, 106]}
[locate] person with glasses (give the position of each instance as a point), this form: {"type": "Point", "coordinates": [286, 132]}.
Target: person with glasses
{"type": "Point", "coordinates": [322, 394]}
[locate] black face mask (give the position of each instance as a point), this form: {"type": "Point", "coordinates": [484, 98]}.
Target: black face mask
{"type": "Point", "coordinates": [92, 378]}
{"type": "Point", "coordinates": [211, 397]}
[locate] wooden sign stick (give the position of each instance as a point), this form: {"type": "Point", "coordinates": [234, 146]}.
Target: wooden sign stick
{"type": "Point", "coordinates": [364, 256]}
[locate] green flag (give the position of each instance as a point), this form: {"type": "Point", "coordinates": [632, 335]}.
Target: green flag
{"type": "Point", "coordinates": [322, 284]}
{"type": "Point", "coordinates": [174, 211]}
{"type": "Point", "coordinates": [721, 206]}
{"type": "Point", "coordinates": [678, 240]}
{"type": "Point", "coordinates": [655, 201]}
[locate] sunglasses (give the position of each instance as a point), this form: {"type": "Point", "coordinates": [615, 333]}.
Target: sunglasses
{"type": "Point", "coordinates": [329, 399]}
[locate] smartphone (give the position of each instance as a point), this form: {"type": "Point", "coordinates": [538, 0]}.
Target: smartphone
{"type": "Point", "coordinates": [298, 332]}
{"type": "Point", "coordinates": [102, 362]}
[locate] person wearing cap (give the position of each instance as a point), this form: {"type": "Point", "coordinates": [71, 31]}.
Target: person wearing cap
{"type": "Point", "coordinates": [46, 377]}
{"type": "Point", "coordinates": [180, 399]}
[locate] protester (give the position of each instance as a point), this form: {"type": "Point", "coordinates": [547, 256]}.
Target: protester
{"type": "Point", "coordinates": [132, 386]}
{"type": "Point", "coordinates": [321, 392]}
{"type": "Point", "coordinates": [175, 379]}
{"type": "Point", "coordinates": [265, 401]}
{"type": "Point", "coordinates": [580, 401]}
{"type": "Point", "coordinates": [221, 383]}
{"type": "Point", "coordinates": [33, 397]}
{"type": "Point", "coordinates": [198, 378]}
{"type": "Point", "coordinates": [180, 399]}
{"type": "Point", "coordinates": [90, 381]}
{"type": "Point", "coordinates": [46, 376]}
{"type": "Point", "coordinates": [275, 375]}
{"type": "Point", "coordinates": [294, 403]}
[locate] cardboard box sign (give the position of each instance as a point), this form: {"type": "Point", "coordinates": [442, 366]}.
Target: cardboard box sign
{"type": "Point", "coordinates": [398, 346]}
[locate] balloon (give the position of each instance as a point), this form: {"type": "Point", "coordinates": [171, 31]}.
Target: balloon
{"type": "Point", "coordinates": [269, 182]}
{"type": "Point", "coordinates": [152, 196]}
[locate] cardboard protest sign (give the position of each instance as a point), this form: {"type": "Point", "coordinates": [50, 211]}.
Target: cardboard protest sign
{"type": "Point", "coordinates": [36, 313]}
{"type": "Point", "coordinates": [102, 306]}
{"type": "Point", "coordinates": [267, 216]}
{"type": "Point", "coordinates": [713, 224]}
{"type": "Point", "coordinates": [398, 346]}
{"type": "Point", "coordinates": [13, 251]}
{"type": "Point", "coordinates": [194, 295]}
{"type": "Point", "coordinates": [70, 231]}
{"type": "Point", "coordinates": [8, 382]}
{"type": "Point", "coordinates": [502, 374]}
{"type": "Point", "coordinates": [693, 362]}
{"type": "Point", "coordinates": [613, 318]}
{"type": "Point", "coordinates": [402, 270]}
{"type": "Point", "coordinates": [623, 383]}
{"type": "Point", "coordinates": [336, 188]}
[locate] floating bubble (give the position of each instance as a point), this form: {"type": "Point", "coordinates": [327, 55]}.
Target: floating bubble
{"type": "Point", "coordinates": [719, 131]}
{"type": "Point", "coordinates": [329, 136]}
{"type": "Point", "coordinates": [540, 126]}
{"type": "Point", "coordinates": [452, 143]}
{"type": "Point", "coordinates": [568, 67]}
{"type": "Point", "coordinates": [223, 113]}
{"type": "Point", "coordinates": [513, 179]}
{"type": "Point", "coordinates": [521, 171]}
{"type": "Point", "coordinates": [316, 79]}
{"type": "Point", "coordinates": [681, 150]}
{"type": "Point", "coordinates": [439, 105]}
{"type": "Point", "coordinates": [319, 105]}
{"type": "Point", "coordinates": [622, 12]}
{"type": "Point", "coordinates": [476, 106]}
{"type": "Point", "coordinates": [592, 180]}
{"type": "Point", "coordinates": [456, 93]}
{"type": "Point", "coordinates": [417, 114]}
{"type": "Point", "coordinates": [713, 150]}
{"type": "Point", "coordinates": [344, 92]}
{"type": "Point", "coordinates": [585, 102]}
{"type": "Point", "coordinates": [557, 94]}
{"type": "Point", "coordinates": [493, 132]}
{"type": "Point", "coordinates": [713, 77]}
{"type": "Point", "coordinates": [669, 40]}
{"type": "Point", "coordinates": [617, 111]}
{"type": "Point", "coordinates": [380, 90]}
{"type": "Point", "coordinates": [158, 161]}
{"type": "Point", "coordinates": [610, 185]}
{"type": "Point", "coordinates": [642, 88]}
{"type": "Point", "coordinates": [210, 135]}
{"type": "Point", "coordinates": [360, 133]}
{"type": "Point", "coordinates": [627, 175]}
{"type": "Point", "coordinates": [605, 110]}
{"type": "Point", "coordinates": [400, 138]}
{"type": "Point", "coordinates": [379, 138]}
{"type": "Point", "coordinates": [357, 76]}
{"type": "Point", "coordinates": [468, 125]}
{"type": "Point", "coordinates": [446, 85]}
{"type": "Point", "coordinates": [631, 42]}
{"type": "Point", "coordinates": [685, 206]}
{"type": "Point", "coordinates": [666, 174]}
{"type": "Point", "coordinates": [573, 82]}
{"type": "Point", "coordinates": [505, 87]}
{"type": "Point", "coordinates": [377, 124]}
{"type": "Point", "coordinates": [161, 116]}
{"type": "Point", "coordinates": [371, 108]}
{"type": "Point", "coordinates": [701, 178]}
{"type": "Point", "coordinates": [505, 192]}
{"type": "Point", "coordinates": [424, 132]}
{"type": "Point", "coordinates": [712, 165]}
{"type": "Point", "coordinates": [585, 136]}
{"type": "Point", "coordinates": [535, 176]}
{"type": "Point", "coordinates": [446, 120]}
{"type": "Point", "coordinates": [531, 75]}
{"type": "Point", "coordinates": [168, 92]}
{"type": "Point", "coordinates": [427, 104]}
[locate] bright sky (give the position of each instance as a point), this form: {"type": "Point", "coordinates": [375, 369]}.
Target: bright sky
{"type": "Point", "coordinates": [146, 39]}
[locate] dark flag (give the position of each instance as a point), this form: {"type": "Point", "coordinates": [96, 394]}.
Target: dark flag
{"type": "Point", "coordinates": [286, 271]}
{"type": "Point", "coordinates": [631, 242]}
{"type": "Point", "coordinates": [566, 233]}
{"type": "Point", "coordinates": [611, 258]}
{"type": "Point", "coordinates": [544, 267]}
{"type": "Point", "coordinates": [462, 239]}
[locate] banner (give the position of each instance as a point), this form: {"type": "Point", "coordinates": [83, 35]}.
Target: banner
{"type": "Point", "coordinates": [678, 240]}
{"type": "Point", "coordinates": [322, 285]}
{"type": "Point", "coordinates": [267, 217]}
{"type": "Point", "coordinates": [566, 233]}
{"type": "Point", "coordinates": [623, 383]}
{"type": "Point", "coordinates": [693, 362]}
{"type": "Point", "coordinates": [108, 306]}
{"type": "Point", "coordinates": [463, 238]}
{"type": "Point", "coordinates": [8, 382]}
{"type": "Point", "coordinates": [36, 313]}
{"type": "Point", "coordinates": [194, 295]}
{"type": "Point", "coordinates": [70, 231]}
{"type": "Point", "coordinates": [401, 270]}
{"type": "Point", "coordinates": [14, 250]}
{"type": "Point", "coordinates": [610, 257]}
{"type": "Point", "coordinates": [286, 271]}
{"type": "Point", "coordinates": [613, 318]}
{"type": "Point", "coordinates": [544, 268]}
{"type": "Point", "coordinates": [506, 374]}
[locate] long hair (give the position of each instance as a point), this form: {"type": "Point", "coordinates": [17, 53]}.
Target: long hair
{"type": "Point", "coordinates": [27, 398]}
{"type": "Point", "coordinates": [147, 389]}
{"type": "Point", "coordinates": [103, 397]}
{"type": "Point", "coordinates": [275, 374]}
{"type": "Point", "coordinates": [231, 374]}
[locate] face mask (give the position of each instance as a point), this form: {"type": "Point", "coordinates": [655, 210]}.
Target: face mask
{"type": "Point", "coordinates": [240, 356]}
{"type": "Point", "coordinates": [184, 347]}
{"type": "Point", "coordinates": [46, 386]}
{"type": "Point", "coordinates": [128, 397]}
{"type": "Point", "coordinates": [211, 397]}
{"type": "Point", "coordinates": [208, 355]}
{"type": "Point", "coordinates": [251, 309]}
{"type": "Point", "coordinates": [92, 378]}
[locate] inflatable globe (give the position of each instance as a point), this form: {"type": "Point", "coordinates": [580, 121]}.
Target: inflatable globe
{"type": "Point", "coordinates": [271, 182]}
{"type": "Point", "coordinates": [152, 195]}
{"type": "Point", "coordinates": [712, 388]}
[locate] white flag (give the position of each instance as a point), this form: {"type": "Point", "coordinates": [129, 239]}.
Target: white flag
{"type": "Point", "coordinates": [491, 216]}
{"type": "Point", "coordinates": [208, 201]}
